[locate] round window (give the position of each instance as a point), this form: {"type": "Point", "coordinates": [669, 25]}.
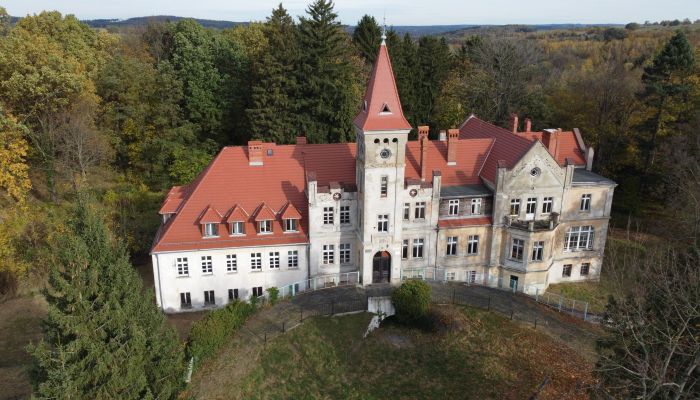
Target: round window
{"type": "Point", "coordinates": [535, 171]}
{"type": "Point", "coordinates": [385, 153]}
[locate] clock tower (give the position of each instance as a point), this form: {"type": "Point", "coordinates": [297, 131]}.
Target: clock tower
{"type": "Point", "coordinates": [382, 132]}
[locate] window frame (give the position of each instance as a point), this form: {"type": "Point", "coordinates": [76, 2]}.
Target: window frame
{"type": "Point", "coordinates": [404, 249]}
{"type": "Point", "coordinates": [531, 205]}
{"type": "Point", "coordinates": [183, 266]}
{"type": "Point", "coordinates": [406, 211]}
{"type": "Point", "coordinates": [453, 207]}
{"type": "Point", "coordinates": [232, 294]}
{"type": "Point", "coordinates": [566, 270]}
{"type": "Point", "coordinates": [207, 265]}
{"type": "Point", "coordinates": [473, 245]}
{"type": "Point", "coordinates": [209, 298]}
{"type": "Point", "coordinates": [344, 215]}
{"type": "Point", "coordinates": [211, 229]}
{"type": "Point", "coordinates": [419, 210]}
{"type": "Point", "coordinates": [384, 186]}
{"type": "Point", "coordinates": [417, 248]}
{"type": "Point", "coordinates": [383, 223]}
{"type": "Point", "coordinates": [328, 215]}
{"type": "Point", "coordinates": [451, 249]}
{"type": "Point", "coordinates": [514, 207]}
{"type": "Point", "coordinates": [231, 263]}
{"type": "Point", "coordinates": [475, 206]}
{"type": "Point", "coordinates": [574, 238]}
{"type": "Point", "coordinates": [274, 259]}
{"type": "Point", "coordinates": [537, 251]}
{"type": "Point", "coordinates": [185, 300]}
{"type": "Point", "coordinates": [293, 259]}
{"type": "Point", "coordinates": [328, 254]}
{"type": "Point", "coordinates": [345, 253]}
{"type": "Point", "coordinates": [517, 248]}
{"type": "Point", "coordinates": [291, 225]}
{"type": "Point", "coordinates": [585, 204]}
{"type": "Point", "coordinates": [547, 204]}
{"type": "Point", "coordinates": [257, 289]}
{"type": "Point", "coordinates": [265, 227]}
{"type": "Point", "coordinates": [256, 262]}
{"type": "Point", "coordinates": [587, 269]}
{"type": "Point", "coordinates": [237, 228]}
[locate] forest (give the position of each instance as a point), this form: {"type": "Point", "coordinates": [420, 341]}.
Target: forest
{"type": "Point", "coordinates": [120, 115]}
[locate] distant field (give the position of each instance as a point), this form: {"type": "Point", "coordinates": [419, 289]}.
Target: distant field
{"type": "Point", "coordinates": [489, 357]}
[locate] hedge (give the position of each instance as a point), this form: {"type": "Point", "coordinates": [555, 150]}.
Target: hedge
{"type": "Point", "coordinates": [209, 334]}
{"type": "Point", "coordinates": [411, 300]}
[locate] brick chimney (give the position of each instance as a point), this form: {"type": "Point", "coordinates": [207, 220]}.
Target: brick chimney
{"type": "Point", "coordinates": [423, 138]}
{"type": "Point", "coordinates": [552, 136]}
{"type": "Point", "coordinates": [452, 139]}
{"type": "Point", "coordinates": [514, 123]}
{"type": "Point", "coordinates": [255, 152]}
{"type": "Point", "coordinates": [528, 125]}
{"type": "Point", "coordinates": [301, 139]}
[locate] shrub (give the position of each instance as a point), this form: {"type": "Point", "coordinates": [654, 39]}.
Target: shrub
{"type": "Point", "coordinates": [209, 334]}
{"type": "Point", "coordinates": [274, 293]}
{"type": "Point", "coordinates": [411, 301]}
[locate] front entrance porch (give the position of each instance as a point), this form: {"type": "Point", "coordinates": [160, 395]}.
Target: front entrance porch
{"type": "Point", "coordinates": [381, 267]}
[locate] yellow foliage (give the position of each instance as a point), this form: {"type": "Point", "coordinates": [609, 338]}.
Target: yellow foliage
{"type": "Point", "coordinates": [14, 177]}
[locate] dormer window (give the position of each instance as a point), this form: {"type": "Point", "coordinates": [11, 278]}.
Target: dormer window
{"type": "Point", "coordinates": [290, 225]}
{"type": "Point", "coordinates": [237, 228]}
{"type": "Point", "coordinates": [211, 229]}
{"type": "Point", "coordinates": [265, 226]}
{"type": "Point", "coordinates": [385, 109]}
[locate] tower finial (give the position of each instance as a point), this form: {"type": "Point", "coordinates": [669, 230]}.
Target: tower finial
{"type": "Point", "coordinates": [384, 31]}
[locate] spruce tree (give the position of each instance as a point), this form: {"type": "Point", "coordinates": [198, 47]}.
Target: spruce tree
{"type": "Point", "coordinates": [327, 78]}
{"type": "Point", "coordinates": [272, 114]}
{"type": "Point", "coordinates": [367, 37]}
{"type": "Point", "coordinates": [434, 62]}
{"type": "Point", "coordinates": [403, 54]}
{"type": "Point", "coordinates": [103, 336]}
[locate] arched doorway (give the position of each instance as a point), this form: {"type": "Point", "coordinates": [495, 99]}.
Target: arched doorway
{"type": "Point", "coordinates": [381, 267]}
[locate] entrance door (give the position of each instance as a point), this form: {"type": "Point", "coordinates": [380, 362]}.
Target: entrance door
{"type": "Point", "coordinates": [381, 267]}
{"type": "Point", "coordinates": [514, 283]}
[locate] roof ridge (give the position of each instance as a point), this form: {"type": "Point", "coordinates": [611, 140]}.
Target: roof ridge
{"type": "Point", "coordinates": [488, 153]}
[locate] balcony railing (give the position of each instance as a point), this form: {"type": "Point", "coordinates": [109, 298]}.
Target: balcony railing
{"type": "Point", "coordinates": [546, 224]}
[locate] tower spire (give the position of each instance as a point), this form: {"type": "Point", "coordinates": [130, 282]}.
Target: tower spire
{"type": "Point", "coordinates": [384, 31]}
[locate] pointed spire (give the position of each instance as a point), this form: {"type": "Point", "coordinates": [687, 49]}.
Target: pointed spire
{"type": "Point", "coordinates": [384, 32]}
{"type": "Point", "coordinates": [381, 106]}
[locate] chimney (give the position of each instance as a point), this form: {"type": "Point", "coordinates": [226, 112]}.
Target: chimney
{"type": "Point", "coordinates": [514, 123]}
{"type": "Point", "coordinates": [443, 136]}
{"type": "Point", "coordinates": [255, 152]}
{"type": "Point", "coordinates": [423, 138]}
{"type": "Point", "coordinates": [589, 158]}
{"type": "Point", "coordinates": [452, 138]}
{"type": "Point", "coordinates": [301, 139]}
{"type": "Point", "coordinates": [553, 141]}
{"type": "Point", "coordinates": [528, 125]}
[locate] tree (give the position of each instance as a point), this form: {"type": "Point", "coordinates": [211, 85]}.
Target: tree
{"type": "Point", "coordinates": [411, 300]}
{"type": "Point", "coordinates": [327, 76]}
{"type": "Point", "coordinates": [404, 54]}
{"type": "Point", "coordinates": [434, 62]}
{"type": "Point", "coordinates": [273, 109]}
{"type": "Point", "coordinates": [652, 346]}
{"type": "Point", "coordinates": [666, 85]}
{"type": "Point", "coordinates": [14, 171]}
{"type": "Point", "coordinates": [366, 37]}
{"type": "Point", "coordinates": [5, 21]}
{"type": "Point", "coordinates": [103, 337]}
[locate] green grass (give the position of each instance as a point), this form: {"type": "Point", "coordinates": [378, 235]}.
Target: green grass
{"type": "Point", "coordinates": [327, 358]}
{"type": "Point", "coordinates": [595, 293]}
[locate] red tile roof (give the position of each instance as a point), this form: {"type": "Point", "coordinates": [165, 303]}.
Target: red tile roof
{"type": "Point", "coordinates": [290, 212]}
{"type": "Point", "coordinates": [568, 146]}
{"type": "Point", "coordinates": [237, 213]}
{"type": "Point", "coordinates": [462, 222]}
{"type": "Point", "coordinates": [470, 157]}
{"type": "Point", "coordinates": [210, 215]}
{"type": "Point", "coordinates": [264, 213]}
{"type": "Point", "coordinates": [381, 93]}
{"type": "Point", "coordinates": [173, 199]}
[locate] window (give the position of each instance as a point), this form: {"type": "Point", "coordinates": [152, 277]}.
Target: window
{"type": "Point", "coordinates": [450, 276]}
{"type": "Point", "coordinates": [471, 276]}
{"type": "Point", "coordinates": [328, 254]}
{"type": "Point", "coordinates": [406, 211]}
{"type": "Point", "coordinates": [256, 261]}
{"type": "Point", "coordinates": [290, 225]}
{"type": "Point", "coordinates": [328, 215]}
{"type": "Point", "coordinates": [514, 206]}
{"type": "Point", "coordinates": [476, 206]}
{"type": "Point", "coordinates": [185, 300]}
{"type": "Point", "coordinates": [404, 249]}
{"type": "Point", "coordinates": [579, 238]}
{"type": "Point", "coordinates": [473, 244]}
{"type": "Point", "coordinates": [344, 215]}
{"type": "Point", "coordinates": [237, 228]}
{"type": "Point", "coordinates": [566, 271]}
{"type": "Point", "coordinates": [265, 226]}
{"type": "Point", "coordinates": [211, 230]}
{"type": "Point", "coordinates": [516, 252]}
{"type": "Point", "coordinates": [585, 202]}
{"type": "Point", "coordinates": [384, 186]}
{"type": "Point", "coordinates": [231, 263]}
{"type": "Point", "coordinates": [344, 253]}
{"type": "Point", "coordinates": [537, 251]}
{"type": "Point", "coordinates": [293, 259]}
{"type": "Point", "coordinates": [585, 267]}
{"type": "Point", "coordinates": [451, 246]}
{"type": "Point", "coordinates": [419, 210]}
{"type": "Point", "coordinates": [275, 259]}
{"type": "Point", "coordinates": [418, 248]}
{"type": "Point", "coordinates": [182, 266]}
{"type": "Point", "coordinates": [209, 298]}
{"type": "Point", "coordinates": [531, 205]}
{"type": "Point", "coordinates": [233, 294]}
{"type": "Point", "coordinates": [257, 291]}
{"type": "Point", "coordinates": [207, 265]}
{"type": "Point", "coordinates": [383, 223]}
{"type": "Point", "coordinates": [547, 205]}
{"type": "Point", "coordinates": [453, 207]}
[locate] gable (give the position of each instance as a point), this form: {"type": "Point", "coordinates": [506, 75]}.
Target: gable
{"type": "Point", "coordinates": [536, 168]}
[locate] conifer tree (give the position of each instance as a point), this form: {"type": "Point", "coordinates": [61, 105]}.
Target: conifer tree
{"type": "Point", "coordinates": [272, 114]}
{"type": "Point", "coordinates": [103, 337]}
{"type": "Point", "coordinates": [434, 62]}
{"type": "Point", "coordinates": [328, 95]}
{"type": "Point", "coordinates": [403, 54]}
{"type": "Point", "coordinates": [367, 36]}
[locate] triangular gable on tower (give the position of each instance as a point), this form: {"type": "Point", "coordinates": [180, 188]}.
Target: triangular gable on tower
{"type": "Point", "coordinates": [381, 107]}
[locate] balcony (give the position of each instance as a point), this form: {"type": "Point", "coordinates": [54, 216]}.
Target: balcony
{"type": "Point", "coordinates": [546, 224]}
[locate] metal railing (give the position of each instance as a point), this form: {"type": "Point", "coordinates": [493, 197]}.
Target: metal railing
{"type": "Point", "coordinates": [537, 292]}
{"type": "Point", "coordinates": [319, 282]}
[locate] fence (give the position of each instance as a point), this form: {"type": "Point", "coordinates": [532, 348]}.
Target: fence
{"type": "Point", "coordinates": [320, 282]}
{"type": "Point", "coordinates": [576, 308]}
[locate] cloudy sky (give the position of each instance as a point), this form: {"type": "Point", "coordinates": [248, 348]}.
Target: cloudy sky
{"type": "Point", "coordinates": [398, 12]}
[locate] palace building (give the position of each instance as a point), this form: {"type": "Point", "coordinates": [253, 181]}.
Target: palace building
{"type": "Point", "coordinates": [482, 204]}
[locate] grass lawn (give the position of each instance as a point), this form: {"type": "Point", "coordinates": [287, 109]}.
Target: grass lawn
{"type": "Point", "coordinates": [595, 293]}
{"type": "Point", "coordinates": [488, 357]}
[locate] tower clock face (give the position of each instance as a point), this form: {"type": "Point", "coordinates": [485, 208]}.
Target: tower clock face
{"type": "Point", "coordinates": [385, 153]}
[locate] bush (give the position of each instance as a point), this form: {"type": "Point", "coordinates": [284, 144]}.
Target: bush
{"type": "Point", "coordinates": [411, 301]}
{"type": "Point", "coordinates": [274, 294]}
{"type": "Point", "coordinates": [211, 332]}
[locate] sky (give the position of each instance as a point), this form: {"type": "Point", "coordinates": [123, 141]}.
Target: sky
{"type": "Point", "coordinates": [397, 12]}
